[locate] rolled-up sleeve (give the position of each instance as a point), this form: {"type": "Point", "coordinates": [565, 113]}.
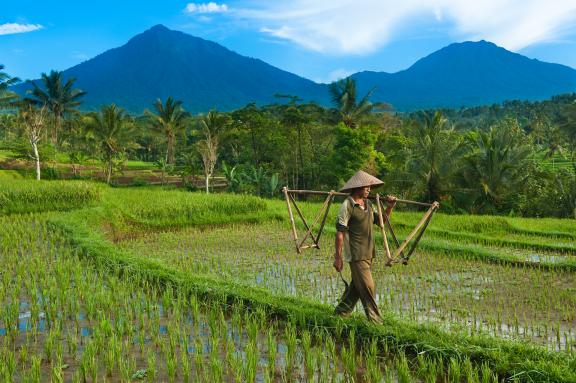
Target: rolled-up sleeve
{"type": "Point", "coordinates": [343, 217]}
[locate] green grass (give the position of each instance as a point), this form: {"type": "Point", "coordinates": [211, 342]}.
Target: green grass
{"type": "Point", "coordinates": [26, 196]}
{"type": "Point", "coordinates": [7, 175]}
{"type": "Point", "coordinates": [466, 272]}
{"type": "Point", "coordinates": [151, 208]}
{"type": "Point", "coordinates": [65, 319]}
{"type": "Point", "coordinates": [527, 362]}
{"type": "Point", "coordinates": [7, 154]}
{"type": "Point", "coordinates": [139, 165]}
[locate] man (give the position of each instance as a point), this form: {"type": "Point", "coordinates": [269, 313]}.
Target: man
{"type": "Point", "coordinates": [354, 235]}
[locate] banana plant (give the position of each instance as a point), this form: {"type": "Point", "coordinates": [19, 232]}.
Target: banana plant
{"type": "Point", "coordinates": [233, 177]}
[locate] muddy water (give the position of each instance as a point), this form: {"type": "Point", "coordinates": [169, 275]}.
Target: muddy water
{"type": "Point", "coordinates": [199, 342]}
{"type": "Point", "coordinates": [455, 293]}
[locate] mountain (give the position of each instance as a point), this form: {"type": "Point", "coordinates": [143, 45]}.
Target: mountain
{"type": "Point", "coordinates": [160, 62]}
{"type": "Point", "coordinates": [467, 74]}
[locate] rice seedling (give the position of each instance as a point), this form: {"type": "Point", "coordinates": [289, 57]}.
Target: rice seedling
{"type": "Point", "coordinates": [456, 293]}
{"type": "Point", "coordinates": [454, 371]}
{"type": "Point", "coordinates": [148, 316]}
{"type": "Point", "coordinates": [151, 209]}
{"type": "Point", "coordinates": [373, 369]}
{"type": "Point", "coordinates": [403, 370]}
{"type": "Point", "coordinates": [24, 196]}
{"type": "Point", "coordinates": [35, 372]}
{"type": "Point", "coordinates": [185, 366]}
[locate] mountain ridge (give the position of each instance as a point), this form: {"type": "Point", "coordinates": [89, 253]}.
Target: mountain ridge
{"type": "Point", "coordinates": [469, 74]}
{"type": "Point", "coordinates": [160, 62]}
{"type": "Point", "coordinates": [203, 74]}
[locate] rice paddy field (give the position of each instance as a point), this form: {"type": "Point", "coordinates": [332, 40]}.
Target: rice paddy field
{"type": "Point", "coordinates": [104, 284]}
{"type": "Point", "coordinates": [458, 293]}
{"type": "Point", "coordinates": [65, 320]}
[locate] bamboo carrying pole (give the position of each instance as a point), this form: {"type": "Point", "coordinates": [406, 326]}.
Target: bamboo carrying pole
{"type": "Point", "coordinates": [302, 218]}
{"type": "Point", "coordinates": [338, 194]}
{"type": "Point", "coordinates": [309, 231]}
{"type": "Point", "coordinates": [383, 231]}
{"type": "Point", "coordinates": [387, 221]}
{"type": "Point", "coordinates": [423, 221]}
{"type": "Point", "coordinates": [325, 216]}
{"type": "Point", "coordinates": [418, 230]}
{"type": "Point", "coordinates": [322, 213]}
{"type": "Point", "coordinates": [294, 234]}
{"type": "Point", "coordinates": [407, 257]}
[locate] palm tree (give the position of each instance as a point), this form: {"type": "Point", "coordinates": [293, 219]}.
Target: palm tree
{"type": "Point", "coordinates": [568, 129]}
{"type": "Point", "coordinates": [293, 118]}
{"type": "Point", "coordinates": [344, 97]}
{"type": "Point", "coordinates": [170, 119]}
{"type": "Point", "coordinates": [58, 96]}
{"type": "Point", "coordinates": [431, 152]}
{"type": "Point", "coordinates": [211, 126]}
{"type": "Point", "coordinates": [497, 166]}
{"type": "Point", "coordinates": [112, 129]}
{"type": "Point", "coordinates": [6, 81]}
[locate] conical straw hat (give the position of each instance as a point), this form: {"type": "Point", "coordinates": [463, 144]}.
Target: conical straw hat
{"type": "Point", "coordinates": [359, 180]}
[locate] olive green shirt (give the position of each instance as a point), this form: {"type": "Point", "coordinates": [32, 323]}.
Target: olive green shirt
{"type": "Point", "coordinates": [356, 224]}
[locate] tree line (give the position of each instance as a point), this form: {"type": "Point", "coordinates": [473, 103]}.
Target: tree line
{"type": "Point", "coordinates": [513, 158]}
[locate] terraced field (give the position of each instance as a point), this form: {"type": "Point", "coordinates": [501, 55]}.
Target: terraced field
{"type": "Point", "coordinates": [106, 284]}
{"type": "Point", "coordinates": [458, 292]}
{"type": "Point", "coordinates": [64, 320]}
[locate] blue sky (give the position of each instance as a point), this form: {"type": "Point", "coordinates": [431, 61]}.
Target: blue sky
{"type": "Point", "coordinates": [318, 39]}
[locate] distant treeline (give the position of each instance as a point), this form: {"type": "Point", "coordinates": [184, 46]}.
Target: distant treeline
{"type": "Point", "coordinates": [512, 158]}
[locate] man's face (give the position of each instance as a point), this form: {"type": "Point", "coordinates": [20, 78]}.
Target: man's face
{"type": "Point", "coordinates": [365, 191]}
{"type": "Point", "coordinates": [361, 192]}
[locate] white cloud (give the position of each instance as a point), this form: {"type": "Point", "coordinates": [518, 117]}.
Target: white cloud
{"type": "Point", "coordinates": [210, 7]}
{"type": "Point", "coordinates": [363, 26]}
{"type": "Point", "coordinates": [438, 14]}
{"type": "Point", "coordinates": [13, 28]}
{"type": "Point", "coordinates": [79, 56]}
{"type": "Point", "coordinates": [514, 24]}
{"type": "Point", "coordinates": [338, 74]}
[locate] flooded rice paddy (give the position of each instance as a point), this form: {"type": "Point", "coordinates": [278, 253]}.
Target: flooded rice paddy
{"type": "Point", "coordinates": [456, 292]}
{"type": "Point", "coordinates": [64, 320]}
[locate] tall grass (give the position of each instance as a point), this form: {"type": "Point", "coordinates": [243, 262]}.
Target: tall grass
{"type": "Point", "coordinates": [108, 326]}
{"type": "Point", "coordinates": [506, 358]}
{"type": "Point", "coordinates": [175, 208]}
{"type": "Point", "coordinates": [27, 196]}
{"type": "Point", "coordinates": [185, 286]}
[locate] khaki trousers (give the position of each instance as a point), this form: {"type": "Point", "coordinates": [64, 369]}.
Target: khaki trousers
{"type": "Point", "coordinates": [361, 287]}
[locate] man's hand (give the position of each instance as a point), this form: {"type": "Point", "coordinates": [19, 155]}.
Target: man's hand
{"type": "Point", "coordinates": [390, 202]}
{"type": "Point", "coordinates": [338, 263]}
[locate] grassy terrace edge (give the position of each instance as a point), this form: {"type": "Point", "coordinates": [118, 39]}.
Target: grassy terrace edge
{"type": "Point", "coordinates": [512, 360]}
{"type": "Point", "coordinates": [473, 251]}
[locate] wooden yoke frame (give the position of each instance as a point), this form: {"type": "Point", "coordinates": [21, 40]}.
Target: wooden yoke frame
{"type": "Point", "coordinates": [383, 221]}
{"type": "Point", "coordinates": [323, 212]}
{"type": "Point", "coordinates": [417, 232]}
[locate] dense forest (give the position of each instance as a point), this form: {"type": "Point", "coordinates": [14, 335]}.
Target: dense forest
{"type": "Point", "coordinates": [516, 158]}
